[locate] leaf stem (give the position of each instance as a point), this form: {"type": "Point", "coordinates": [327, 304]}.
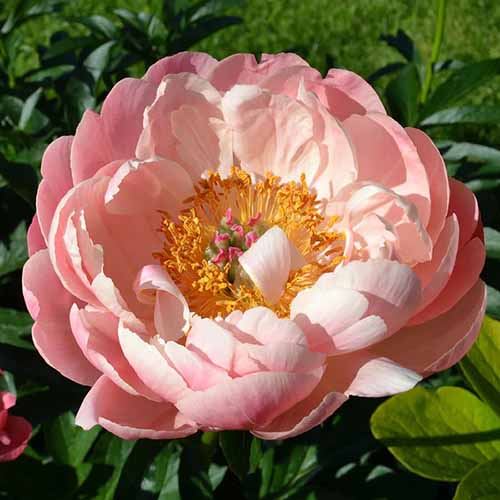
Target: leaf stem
{"type": "Point", "coordinates": [436, 47]}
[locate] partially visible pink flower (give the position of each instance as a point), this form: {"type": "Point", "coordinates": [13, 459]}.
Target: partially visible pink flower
{"type": "Point", "coordinates": [14, 431]}
{"type": "Point", "coordinates": [350, 266]}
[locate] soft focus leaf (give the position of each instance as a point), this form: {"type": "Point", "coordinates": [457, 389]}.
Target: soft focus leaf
{"type": "Point", "coordinates": [481, 483]}
{"type": "Point", "coordinates": [483, 184]}
{"type": "Point", "coordinates": [98, 59]}
{"type": "Point", "coordinates": [403, 93]}
{"type": "Point", "coordinates": [66, 442]}
{"type": "Point", "coordinates": [99, 25]}
{"type": "Point", "coordinates": [492, 239]}
{"type": "Point", "coordinates": [481, 365]}
{"type": "Point", "coordinates": [460, 83]}
{"type": "Point", "coordinates": [28, 108]}
{"type": "Point", "coordinates": [15, 255]}
{"type": "Point", "coordinates": [236, 448]}
{"type": "Point", "coordinates": [161, 476]}
{"type": "Point", "coordinates": [7, 382]}
{"type": "Point", "coordinates": [11, 108]}
{"type": "Point", "coordinates": [15, 328]}
{"type": "Point", "coordinates": [464, 114]}
{"type": "Point", "coordinates": [493, 307]}
{"type": "Point", "coordinates": [50, 74]}
{"type": "Point", "coordinates": [458, 151]}
{"type": "Point", "coordinates": [438, 434]}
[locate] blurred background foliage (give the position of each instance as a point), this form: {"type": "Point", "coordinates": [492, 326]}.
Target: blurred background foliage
{"type": "Point", "coordinates": [435, 68]}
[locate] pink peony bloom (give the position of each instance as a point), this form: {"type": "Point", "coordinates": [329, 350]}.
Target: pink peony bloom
{"type": "Point", "coordinates": [360, 277]}
{"type": "Point", "coordinates": [14, 431]}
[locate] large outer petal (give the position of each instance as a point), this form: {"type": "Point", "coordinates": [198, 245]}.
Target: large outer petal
{"type": "Point", "coordinates": [56, 181]}
{"type": "Point", "coordinates": [185, 124]}
{"type": "Point", "coordinates": [438, 344]}
{"type": "Point", "coordinates": [183, 62]}
{"type": "Point", "coordinates": [112, 134]}
{"type": "Point", "coordinates": [51, 332]}
{"type": "Point", "coordinates": [250, 401]}
{"type": "Point", "coordinates": [131, 417]}
{"type": "Point", "coordinates": [356, 306]}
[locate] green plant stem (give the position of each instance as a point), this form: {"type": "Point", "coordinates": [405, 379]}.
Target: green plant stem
{"type": "Point", "coordinates": [436, 47]}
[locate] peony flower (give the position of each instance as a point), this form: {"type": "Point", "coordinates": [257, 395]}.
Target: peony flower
{"type": "Point", "coordinates": [243, 245]}
{"type": "Point", "coordinates": [14, 431]}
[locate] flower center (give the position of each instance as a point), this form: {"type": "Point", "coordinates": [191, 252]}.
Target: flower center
{"type": "Point", "coordinates": [224, 219]}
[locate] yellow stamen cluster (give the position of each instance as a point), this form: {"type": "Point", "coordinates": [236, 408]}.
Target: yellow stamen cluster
{"type": "Point", "coordinates": [291, 206]}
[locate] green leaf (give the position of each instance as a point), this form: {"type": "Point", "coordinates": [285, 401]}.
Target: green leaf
{"type": "Point", "coordinates": [7, 382]}
{"type": "Point", "coordinates": [403, 93]}
{"type": "Point", "coordinates": [458, 151]}
{"type": "Point", "coordinates": [460, 83]}
{"type": "Point", "coordinates": [15, 326]}
{"type": "Point", "coordinates": [478, 185]}
{"type": "Point", "coordinates": [99, 25]}
{"type": "Point", "coordinates": [493, 307]}
{"type": "Point", "coordinates": [481, 367]}
{"type": "Point", "coordinates": [438, 434]}
{"type": "Point", "coordinates": [236, 448]}
{"type": "Point", "coordinates": [161, 476]}
{"type": "Point", "coordinates": [108, 451]}
{"type": "Point", "coordinates": [492, 237]}
{"type": "Point", "coordinates": [484, 115]}
{"type": "Point", "coordinates": [28, 108]}
{"type": "Point", "coordinates": [67, 443]}
{"type": "Point", "coordinates": [15, 255]}
{"type": "Point", "coordinates": [11, 107]}
{"type": "Point", "coordinates": [50, 74]}
{"type": "Point", "coordinates": [98, 59]}
{"type": "Point", "coordinates": [481, 483]}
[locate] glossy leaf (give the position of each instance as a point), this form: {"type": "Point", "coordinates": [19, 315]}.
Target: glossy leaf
{"type": "Point", "coordinates": [402, 95]}
{"type": "Point", "coordinates": [493, 307]}
{"type": "Point", "coordinates": [460, 83]}
{"type": "Point", "coordinates": [15, 255]}
{"type": "Point", "coordinates": [477, 185]}
{"type": "Point", "coordinates": [492, 238]}
{"type": "Point", "coordinates": [15, 328]}
{"type": "Point", "coordinates": [236, 448]}
{"type": "Point", "coordinates": [28, 108]}
{"type": "Point", "coordinates": [98, 59]}
{"type": "Point", "coordinates": [439, 434]}
{"type": "Point", "coordinates": [464, 114]}
{"type": "Point", "coordinates": [481, 483]}
{"type": "Point", "coordinates": [481, 365]}
{"type": "Point", "coordinates": [67, 443]}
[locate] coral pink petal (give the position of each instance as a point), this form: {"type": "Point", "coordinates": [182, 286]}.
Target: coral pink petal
{"type": "Point", "coordinates": [437, 177]}
{"type": "Point", "coordinates": [266, 328]}
{"type": "Point", "coordinates": [435, 273]}
{"type": "Point", "coordinates": [250, 401]}
{"type": "Point", "coordinates": [51, 332]}
{"type": "Point", "coordinates": [104, 352]}
{"type": "Point", "coordinates": [131, 417]}
{"type": "Point", "coordinates": [335, 320]}
{"type": "Point", "coordinates": [140, 187]}
{"type": "Point", "coordinates": [392, 289]}
{"type": "Point", "coordinates": [150, 365]}
{"type": "Point", "coordinates": [18, 430]}
{"type": "Point", "coordinates": [171, 311]}
{"type": "Point", "coordinates": [271, 132]}
{"type": "Point", "coordinates": [345, 93]}
{"type": "Point", "coordinates": [56, 181]}
{"type": "Point", "coordinates": [213, 341]}
{"type": "Point", "coordinates": [468, 266]}
{"type": "Point", "coordinates": [268, 262]}
{"type": "Point", "coordinates": [463, 203]}
{"type": "Point", "coordinates": [113, 134]}
{"type": "Point", "coordinates": [198, 373]}
{"type": "Point", "coordinates": [185, 124]}
{"type": "Point", "coordinates": [34, 238]}
{"type": "Point", "coordinates": [438, 344]}
{"type": "Point", "coordinates": [365, 374]}
{"type": "Point", "coordinates": [184, 62]}
{"type": "Point", "coordinates": [379, 140]}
